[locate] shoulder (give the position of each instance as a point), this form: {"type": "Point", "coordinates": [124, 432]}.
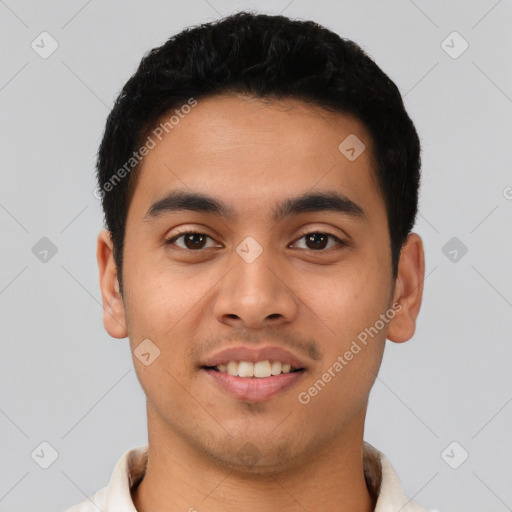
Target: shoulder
{"type": "Point", "coordinates": [382, 475]}
{"type": "Point", "coordinates": [91, 504]}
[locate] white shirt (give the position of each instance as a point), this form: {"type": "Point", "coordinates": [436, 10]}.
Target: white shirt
{"type": "Point", "coordinates": [381, 479]}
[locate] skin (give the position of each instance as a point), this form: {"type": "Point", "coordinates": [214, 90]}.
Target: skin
{"type": "Point", "coordinates": [314, 302]}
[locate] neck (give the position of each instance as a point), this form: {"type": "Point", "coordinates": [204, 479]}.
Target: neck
{"type": "Point", "coordinates": [180, 477]}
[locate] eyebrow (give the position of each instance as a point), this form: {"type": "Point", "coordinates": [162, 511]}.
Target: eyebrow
{"type": "Point", "coordinates": [179, 200]}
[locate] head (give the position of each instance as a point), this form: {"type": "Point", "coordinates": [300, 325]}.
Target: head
{"type": "Point", "coordinates": [245, 122]}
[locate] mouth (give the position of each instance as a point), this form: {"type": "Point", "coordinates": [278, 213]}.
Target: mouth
{"type": "Point", "coordinates": [257, 381]}
{"type": "Point", "coordinates": [254, 374]}
{"type": "Point", "coordinates": [257, 370]}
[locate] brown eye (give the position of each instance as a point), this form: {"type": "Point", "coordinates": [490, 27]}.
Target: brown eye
{"type": "Point", "coordinates": [318, 241]}
{"type": "Point", "coordinates": [192, 240]}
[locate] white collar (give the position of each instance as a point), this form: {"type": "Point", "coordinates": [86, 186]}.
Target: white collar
{"type": "Point", "coordinates": [381, 479]}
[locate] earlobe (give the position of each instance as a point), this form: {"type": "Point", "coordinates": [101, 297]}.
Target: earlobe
{"type": "Point", "coordinates": [408, 290]}
{"type": "Point", "coordinates": [114, 318]}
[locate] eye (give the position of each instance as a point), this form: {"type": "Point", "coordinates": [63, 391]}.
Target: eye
{"type": "Point", "coordinates": [192, 240]}
{"type": "Point", "coordinates": [319, 240]}
{"type": "Point", "coordinates": [195, 241]}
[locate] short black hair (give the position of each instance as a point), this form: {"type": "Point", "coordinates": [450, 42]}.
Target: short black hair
{"type": "Point", "coordinates": [267, 57]}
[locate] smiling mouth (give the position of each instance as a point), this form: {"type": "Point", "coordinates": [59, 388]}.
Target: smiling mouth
{"type": "Point", "coordinates": [257, 381]}
{"type": "Point", "coordinates": [255, 370]}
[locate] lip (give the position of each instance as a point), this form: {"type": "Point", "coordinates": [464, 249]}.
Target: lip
{"type": "Point", "coordinates": [254, 389]}
{"type": "Point", "coordinates": [253, 355]}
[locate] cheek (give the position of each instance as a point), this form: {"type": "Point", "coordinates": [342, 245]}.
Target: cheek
{"type": "Point", "coordinates": [352, 351]}
{"type": "Point", "coordinates": [164, 306]}
{"type": "Point", "coordinates": [348, 301]}
{"type": "Point", "coordinates": [158, 298]}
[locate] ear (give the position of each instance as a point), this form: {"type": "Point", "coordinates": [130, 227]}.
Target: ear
{"type": "Point", "coordinates": [408, 289]}
{"type": "Point", "coordinates": [113, 306]}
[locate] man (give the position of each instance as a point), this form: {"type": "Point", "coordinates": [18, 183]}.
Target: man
{"type": "Point", "coordinates": [259, 178]}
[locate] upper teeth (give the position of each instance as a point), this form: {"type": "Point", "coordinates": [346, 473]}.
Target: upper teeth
{"type": "Point", "coordinates": [258, 369]}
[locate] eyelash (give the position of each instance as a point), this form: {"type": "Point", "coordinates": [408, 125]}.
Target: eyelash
{"type": "Point", "coordinates": [171, 240]}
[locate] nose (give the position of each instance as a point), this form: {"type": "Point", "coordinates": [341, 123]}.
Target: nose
{"type": "Point", "coordinates": [256, 294]}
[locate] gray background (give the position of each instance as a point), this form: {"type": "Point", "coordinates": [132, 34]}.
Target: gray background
{"type": "Point", "coordinates": [63, 380]}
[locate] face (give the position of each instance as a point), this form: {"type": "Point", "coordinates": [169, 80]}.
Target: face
{"type": "Point", "coordinates": [286, 263]}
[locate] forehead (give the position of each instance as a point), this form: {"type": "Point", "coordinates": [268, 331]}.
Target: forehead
{"type": "Point", "coordinates": [255, 151]}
